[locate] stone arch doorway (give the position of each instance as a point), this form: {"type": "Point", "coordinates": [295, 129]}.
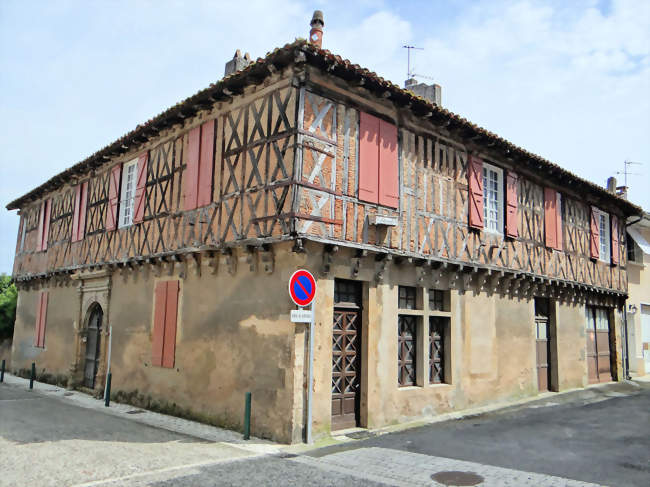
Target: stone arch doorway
{"type": "Point", "coordinates": [93, 344]}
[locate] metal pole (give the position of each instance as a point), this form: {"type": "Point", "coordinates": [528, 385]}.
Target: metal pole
{"type": "Point", "coordinates": [310, 379]}
{"type": "Point", "coordinates": [107, 388]}
{"type": "Point", "coordinates": [247, 417]}
{"type": "Point", "coordinates": [2, 373]}
{"type": "Point", "coordinates": [32, 376]}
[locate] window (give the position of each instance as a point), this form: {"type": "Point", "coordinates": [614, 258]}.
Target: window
{"type": "Point", "coordinates": [407, 297]}
{"type": "Point", "coordinates": [438, 326]}
{"type": "Point", "coordinates": [437, 300]}
{"type": "Point", "coordinates": [164, 326]}
{"type": "Point", "coordinates": [378, 162]}
{"type": "Point", "coordinates": [127, 198]}
{"type": "Point", "coordinates": [633, 250]}
{"type": "Point", "coordinates": [407, 350]}
{"type": "Point", "coordinates": [604, 236]}
{"type": "Point", "coordinates": [41, 319]}
{"type": "Point", "coordinates": [492, 198]}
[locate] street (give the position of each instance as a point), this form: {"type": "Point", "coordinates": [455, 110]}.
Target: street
{"type": "Point", "coordinates": [597, 436]}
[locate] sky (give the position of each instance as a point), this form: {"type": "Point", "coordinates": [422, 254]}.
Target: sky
{"type": "Point", "coordinates": [569, 81]}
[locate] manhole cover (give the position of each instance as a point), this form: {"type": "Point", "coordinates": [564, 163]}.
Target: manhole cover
{"type": "Point", "coordinates": [456, 478]}
{"type": "Point", "coordinates": [135, 411]}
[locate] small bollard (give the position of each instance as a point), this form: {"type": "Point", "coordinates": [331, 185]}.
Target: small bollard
{"type": "Point", "coordinates": [2, 372]}
{"type": "Point", "coordinates": [107, 392]}
{"type": "Point", "coordinates": [32, 376]}
{"type": "Point", "coordinates": [247, 417]}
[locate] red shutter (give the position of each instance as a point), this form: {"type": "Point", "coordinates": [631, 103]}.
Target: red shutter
{"type": "Point", "coordinates": [511, 205]}
{"type": "Point", "coordinates": [79, 217]}
{"type": "Point", "coordinates": [41, 319]}
{"type": "Point", "coordinates": [191, 175]}
{"type": "Point", "coordinates": [75, 216]}
{"type": "Point", "coordinates": [140, 188]}
{"type": "Point", "coordinates": [388, 165]}
{"type": "Point", "coordinates": [594, 235]}
{"type": "Point", "coordinates": [368, 158]}
{"type": "Point", "coordinates": [558, 220]}
{"type": "Point", "coordinates": [475, 178]}
{"type": "Point", "coordinates": [113, 197]}
{"type": "Point", "coordinates": [160, 307]}
{"type": "Point", "coordinates": [206, 164]}
{"type": "Point", "coordinates": [44, 229]}
{"type": "Point", "coordinates": [169, 346]}
{"type": "Point", "coordinates": [615, 248]}
{"type": "Point", "coordinates": [550, 218]}
{"type": "Point", "coordinates": [41, 222]}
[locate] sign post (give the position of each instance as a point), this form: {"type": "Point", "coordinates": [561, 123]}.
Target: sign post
{"type": "Point", "coordinates": [302, 289]}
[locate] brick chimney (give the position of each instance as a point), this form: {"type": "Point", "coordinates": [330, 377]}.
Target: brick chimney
{"type": "Point", "coordinates": [433, 92]}
{"type": "Point", "coordinates": [237, 63]}
{"type": "Point", "coordinates": [316, 33]}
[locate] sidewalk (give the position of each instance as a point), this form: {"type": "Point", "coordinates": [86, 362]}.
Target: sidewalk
{"type": "Point", "coordinates": [150, 418]}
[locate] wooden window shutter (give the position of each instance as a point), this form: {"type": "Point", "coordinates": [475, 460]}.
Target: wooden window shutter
{"type": "Point", "coordinates": [558, 220]}
{"type": "Point", "coordinates": [615, 246]}
{"type": "Point", "coordinates": [41, 221]}
{"type": "Point", "coordinates": [512, 186]}
{"type": "Point", "coordinates": [140, 188]}
{"type": "Point", "coordinates": [388, 165]}
{"type": "Point", "coordinates": [368, 158]}
{"type": "Point", "coordinates": [44, 225]}
{"type": "Point", "coordinates": [79, 217]}
{"type": "Point", "coordinates": [160, 308]}
{"type": "Point", "coordinates": [206, 164]}
{"type": "Point", "coordinates": [169, 341]}
{"type": "Point", "coordinates": [165, 321]}
{"type": "Point", "coordinates": [113, 197]}
{"type": "Point", "coordinates": [594, 234]}
{"type": "Point", "coordinates": [475, 175]}
{"type": "Point", "coordinates": [41, 319]}
{"type": "Point", "coordinates": [192, 170]}
{"type": "Point", "coordinates": [550, 218]}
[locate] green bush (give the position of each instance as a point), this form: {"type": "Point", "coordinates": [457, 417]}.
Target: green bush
{"type": "Point", "coordinates": [8, 298]}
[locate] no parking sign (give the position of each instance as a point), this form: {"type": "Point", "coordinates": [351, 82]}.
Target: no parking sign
{"type": "Point", "coordinates": [302, 287]}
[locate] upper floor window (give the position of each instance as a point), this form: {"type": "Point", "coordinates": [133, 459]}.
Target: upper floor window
{"type": "Point", "coordinates": [378, 162]}
{"type": "Point", "coordinates": [129, 175]}
{"type": "Point", "coordinates": [604, 240]}
{"type": "Point", "coordinates": [493, 198]}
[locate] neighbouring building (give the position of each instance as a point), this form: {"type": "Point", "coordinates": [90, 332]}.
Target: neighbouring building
{"type": "Point", "coordinates": [454, 269]}
{"type": "Point", "coordinates": [638, 303]}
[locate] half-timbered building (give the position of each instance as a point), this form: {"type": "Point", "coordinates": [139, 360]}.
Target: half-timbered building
{"type": "Point", "coordinates": [454, 269]}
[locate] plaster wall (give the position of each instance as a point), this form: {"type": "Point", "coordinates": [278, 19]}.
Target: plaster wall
{"type": "Point", "coordinates": [58, 354]}
{"type": "Point", "coordinates": [639, 293]}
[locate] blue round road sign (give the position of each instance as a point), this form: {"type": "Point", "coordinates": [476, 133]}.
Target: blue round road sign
{"type": "Point", "coordinates": [302, 287]}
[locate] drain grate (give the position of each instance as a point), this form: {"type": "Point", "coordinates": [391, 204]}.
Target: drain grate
{"type": "Point", "coordinates": [457, 478]}
{"type": "Point", "coordinates": [135, 411]}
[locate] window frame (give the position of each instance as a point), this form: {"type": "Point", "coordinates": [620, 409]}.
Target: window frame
{"type": "Point", "coordinates": [124, 201]}
{"type": "Point", "coordinates": [604, 237]}
{"type": "Point", "coordinates": [500, 199]}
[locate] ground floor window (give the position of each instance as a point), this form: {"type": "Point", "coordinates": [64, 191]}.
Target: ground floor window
{"type": "Point", "coordinates": [438, 329]}
{"type": "Point", "coordinates": [407, 350]}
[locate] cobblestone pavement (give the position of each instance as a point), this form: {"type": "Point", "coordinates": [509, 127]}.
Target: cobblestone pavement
{"type": "Point", "coordinates": [51, 436]}
{"type": "Point", "coordinates": [399, 468]}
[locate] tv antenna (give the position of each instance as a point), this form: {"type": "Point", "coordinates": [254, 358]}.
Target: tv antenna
{"type": "Point", "coordinates": [626, 173]}
{"type": "Point", "coordinates": [409, 74]}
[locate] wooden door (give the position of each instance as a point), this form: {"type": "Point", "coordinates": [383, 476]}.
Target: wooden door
{"type": "Point", "coordinates": [542, 346]}
{"type": "Point", "coordinates": [93, 341]}
{"type": "Point", "coordinates": [346, 355]}
{"type": "Point", "coordinates": [598, 349]}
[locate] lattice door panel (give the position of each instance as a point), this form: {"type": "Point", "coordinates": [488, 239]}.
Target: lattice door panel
{"type": "Point", "coordinates": [346, 367]}
{"type": "Point", "coordinates": [437, 327]}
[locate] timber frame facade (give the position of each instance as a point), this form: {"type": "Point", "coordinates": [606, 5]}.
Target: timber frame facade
{"type": "Point", "coordinates": [261, 173]}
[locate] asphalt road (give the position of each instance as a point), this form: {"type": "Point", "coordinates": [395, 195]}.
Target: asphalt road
{"type": "Point", "coordinates": [599, 435]}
